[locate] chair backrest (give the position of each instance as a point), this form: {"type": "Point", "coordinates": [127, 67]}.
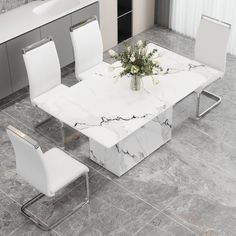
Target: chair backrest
{"type": "Point", "coordinates": [211, 42]}
{"type": "Point", "coordinates": [43, 67]}
{"type": "Point", "coordinates": [29, 159]}
{"type": "Point", "coordinates": [87, 43]}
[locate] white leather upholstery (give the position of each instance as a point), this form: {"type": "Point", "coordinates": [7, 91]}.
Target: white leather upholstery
{"type": "Point", "coordinates": [43, 69]}
{"type": "Point", "coordinates": [88, 47]}
{"type": "Point", "coordinates": [211, 43]}
{"type": "Point", "coordinates": [48, 172]}
{"type": "Point", "coordinates": [29, 162]}
{"type": "Point", "coordinates": [61, 169]}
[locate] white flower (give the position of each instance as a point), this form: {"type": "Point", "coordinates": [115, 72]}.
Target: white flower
{"type": "Point", "coordinates": [155, 61]}
{"type": "Point", "coordinates": [132, 58]}
{"type": "Point", "coordinates": [140, 43]}
{"type": "Point", "coordinates": [134, 69]}
{"type": "Point", "coordinates": [143, 51]}
{"type": "Point", "coordinates": [112, 53]}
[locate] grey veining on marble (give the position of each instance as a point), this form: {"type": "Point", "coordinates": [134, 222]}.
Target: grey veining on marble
{"type": "Point", "coordinates": [136, 147]}
{"type": "Point", "coordinates": [188, 187]}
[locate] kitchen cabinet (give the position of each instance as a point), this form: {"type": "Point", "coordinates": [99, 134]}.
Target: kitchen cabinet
{"type": "Point", "coordinates": [5, 79]}
{"type": "Point", "coordinates": [143, 15]}
{"type": "Point", "coordinates": [108, 23]}
{"type": "Point", "coordinates": [85, 13]}
{"type": "Point", "coordinates": [19, 78]}
{"type": "Point", "coordinates": [125, 12]}
{"type": "Point", "coordinates": [60, 31]}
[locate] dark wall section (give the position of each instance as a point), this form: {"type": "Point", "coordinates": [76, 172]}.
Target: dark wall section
{"type": "Point", "coordinates": [162, 12]}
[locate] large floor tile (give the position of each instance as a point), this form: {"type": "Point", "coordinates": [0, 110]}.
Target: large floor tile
{"type": "Point", "coordinates": [162, 225]}
{"type": "Point", "coordinates": [111, 211]}
{"type": "Point", "coordinates": [29, 229]}
{"type": "Point", "coordinates": [198, 149]}
{"type": "Point", "coordinates": [220, 123]}
{"type": "Point", "coordinates": [205, 216]}
{"type": "Point", "coordinates": [10, 216]}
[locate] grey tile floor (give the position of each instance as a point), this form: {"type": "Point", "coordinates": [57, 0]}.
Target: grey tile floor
{"type": "Point", "coordinates": [187, 187]}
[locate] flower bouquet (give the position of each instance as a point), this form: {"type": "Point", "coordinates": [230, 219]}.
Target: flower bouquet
{"type": "Point", "coordinates": [137, 61]}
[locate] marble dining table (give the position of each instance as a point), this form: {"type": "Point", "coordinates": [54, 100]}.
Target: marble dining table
{"type": "Point", "coordinates": [125, 126]}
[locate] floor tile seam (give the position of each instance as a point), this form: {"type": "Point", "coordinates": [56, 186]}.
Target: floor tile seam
{"type": "Point", "coordinates": [15, 201]}
{"type": "Point", "coordinates": [171, 218]}
{"type": "Point", "coordinates": [112, 205]}
{"type": "Point", "coordinates": [207, 134]}
{"type": "Point", "coordinates": [182, 224]}
{"type": "Point", "coordinates": [23, 224]}
{"type": "Point", "coordinates": [228, 145]}
{"type": "Point", "coordinates": [148, 223]}
{"type": "Point", "coordinates": [18, 227]}
{"type": "Point", "coordinates": [163, 212]}
{"type": "Point", "coordinates": [159, 211]}
{"type": "Point", "coordinates": [7, 195]}
{"type": "Point", "coordinates": [14, 100]}
{"type": "Point", "coordinates": [211, 167]}
{"type": "Point", "coordinates": [20, 205]}
{"type": "Point", "coordinates": [130, 192]}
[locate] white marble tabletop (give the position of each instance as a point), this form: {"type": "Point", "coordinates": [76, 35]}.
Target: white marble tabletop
{"type": "Point", "coordinates": [181, 77]}
{"type": "Point", "coordinates": [107, 110]}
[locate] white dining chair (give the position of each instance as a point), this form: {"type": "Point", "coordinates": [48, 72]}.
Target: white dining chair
{"type": "Point", "coordinates": [211, 49]}
{"type": "Point", "coordinates": [88, 49]}
{"type": "Point", "coordinates": [44, 75]}
{"type": "Point", "coordinates": [43, 68]}
{"type": "Point", "coordinates": [47, 172]}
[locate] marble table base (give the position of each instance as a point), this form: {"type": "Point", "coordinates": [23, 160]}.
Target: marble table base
{"type": "Point", "coordinates": [136, 147]}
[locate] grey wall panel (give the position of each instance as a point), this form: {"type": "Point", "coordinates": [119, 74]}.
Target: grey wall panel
{"type": "Point", "coordinates": [60, 31]}
{"type": "Point", "coordinates": [162, 12]}
{"type": "Point", "coordinates": [19, 78]}
{"type": "Point", "coordinates": [5, 79]}
{"type": "Point", "coordinates": [85, 13]}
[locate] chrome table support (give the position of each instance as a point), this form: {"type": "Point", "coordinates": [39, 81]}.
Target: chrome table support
{"type": "Point", "coordinates": [208, 94]}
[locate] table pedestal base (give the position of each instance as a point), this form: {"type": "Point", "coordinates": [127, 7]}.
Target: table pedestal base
{"type": "Point", "coordinates": [136, 147]}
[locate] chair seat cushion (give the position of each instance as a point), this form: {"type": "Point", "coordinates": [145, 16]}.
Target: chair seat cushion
{"type": "Point", "coordinates": [62, 169]}
{"type": "Point", "coordinates": [102, 69]}
{"type": "Point", "coordinates": [212, 76]}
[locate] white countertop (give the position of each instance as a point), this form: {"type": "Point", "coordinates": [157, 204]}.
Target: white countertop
{"type": "Point", "coordinates": [22, 19]}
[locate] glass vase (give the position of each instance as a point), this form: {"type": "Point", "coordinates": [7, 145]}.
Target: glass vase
{"type": "Point", "coordinates": [136, 83]}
